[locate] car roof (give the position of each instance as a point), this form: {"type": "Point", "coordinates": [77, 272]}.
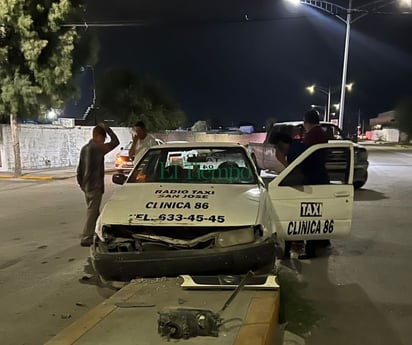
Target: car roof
{"type": "Point", "coordinates": [197, 145]}
{"type": "Point", "coordinates": [176, 142]}
{"type": "Point", "coordinates": [298, 123]}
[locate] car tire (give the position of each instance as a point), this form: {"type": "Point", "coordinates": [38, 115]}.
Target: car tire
{"type": "Point", "coordinates": [360, 184]}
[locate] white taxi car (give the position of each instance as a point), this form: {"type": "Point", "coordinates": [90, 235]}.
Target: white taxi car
{"type": "Point", "coordinates": [211, 213]}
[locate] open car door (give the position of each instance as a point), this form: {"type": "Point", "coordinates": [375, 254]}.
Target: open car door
{"type": "Point", "coordinates": [313, 199]}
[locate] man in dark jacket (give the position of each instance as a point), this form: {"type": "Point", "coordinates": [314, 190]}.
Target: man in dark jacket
{"type": "Point", "coordinates": [314, 169]}
{"type": "Point", "coordinates": [90, 176]}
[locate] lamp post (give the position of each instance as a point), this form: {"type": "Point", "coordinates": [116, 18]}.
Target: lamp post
{"type": "Point", "coordinates": [93, 105]}
{"type": "Point", "coordinates": [350, 15]}
{"type": "Point", "coordinates": [325, 91]}
{"type": "Point", "coordinates": [82, 69]}
{"type": "Point", "coordinates": [328, 92]}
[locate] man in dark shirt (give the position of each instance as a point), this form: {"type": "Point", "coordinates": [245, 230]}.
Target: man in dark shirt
{"type": "Point", "coordinates": [314, 169]}
{"type": "Point", "coordinates": [314, 132]}
{"type": "Point", "coordinates": [90, 176]}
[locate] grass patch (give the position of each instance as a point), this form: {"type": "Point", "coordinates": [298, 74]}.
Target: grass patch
{"type": "Point", "coordinates": [297, 311]}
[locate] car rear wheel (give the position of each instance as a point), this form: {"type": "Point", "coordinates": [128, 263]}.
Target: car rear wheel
{"type": "Point", "coordinates": [360, 184]}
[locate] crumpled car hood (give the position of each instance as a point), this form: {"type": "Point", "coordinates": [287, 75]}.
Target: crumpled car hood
{"type": "Point", "coordinates": [185, 204]}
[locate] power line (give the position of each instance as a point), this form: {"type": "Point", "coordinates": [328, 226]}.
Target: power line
{"type": "Point", "coordinates": [245, 19]}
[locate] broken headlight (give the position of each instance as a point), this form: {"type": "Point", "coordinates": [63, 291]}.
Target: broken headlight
{"type": "Point", "coordinates": [235, 237]}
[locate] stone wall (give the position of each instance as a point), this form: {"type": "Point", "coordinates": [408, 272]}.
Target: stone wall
{"type": "Point", "coordinates": [47, 146]}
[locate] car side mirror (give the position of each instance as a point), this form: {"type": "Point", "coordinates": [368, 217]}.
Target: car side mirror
{"type": "Point", "coordinates": [119, 179]}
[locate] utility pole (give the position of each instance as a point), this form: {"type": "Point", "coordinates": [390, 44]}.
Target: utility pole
{"type": "Point", "coordinates": [345, 64]}
{"type": "Point", "coordinates": [16, 145]}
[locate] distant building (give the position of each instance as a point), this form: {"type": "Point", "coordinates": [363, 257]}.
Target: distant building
{"type": "Point", "coordinates": [247, 129]}
{"type": "Point", "coordinates": [65, 122]}
{"type": "Point", "coordinates": [383, 128]}
{"type": "Point", "coordinates": [383, 120]}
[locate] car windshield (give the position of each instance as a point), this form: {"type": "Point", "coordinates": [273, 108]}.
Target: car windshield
{"type": "Point", "coordinates": [225, 165]}
{"type": "Point", "coordinates": [128, 146]}
{"type": "Point", "coordinates": [333, 132]}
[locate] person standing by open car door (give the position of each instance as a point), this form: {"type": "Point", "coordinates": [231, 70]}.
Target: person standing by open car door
{"type": "Point", "coordinates": [90, 176]}
{"type": "Point", "coordinates": [314, 170]}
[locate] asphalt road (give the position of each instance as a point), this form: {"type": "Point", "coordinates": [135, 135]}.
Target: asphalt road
{"type": "Point", "coordinates": [45, 278]}
{"type": "Point", "coordinates": [355, 293]}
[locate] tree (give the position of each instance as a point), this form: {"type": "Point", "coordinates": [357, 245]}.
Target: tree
{"type": "Point", "coordinates": [403, 118]}
{"type": "Point", "coordinates": [126, 97]}
{"type": "Point", "coordinates": [36, 58]}
{"type": "Point", "coordinates": [199, 126]}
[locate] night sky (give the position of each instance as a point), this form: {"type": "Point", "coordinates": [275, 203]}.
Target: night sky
{"type": "Point", "coordinates": [221, 66]}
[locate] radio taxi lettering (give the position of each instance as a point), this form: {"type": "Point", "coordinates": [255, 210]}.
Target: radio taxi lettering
{"type": "Point", "coordinates": [310, 227]}
{"type": "Point", "coordinates": [311, 209]}
{"type": "Point", "coordinates": [183, 193]}
{"type": "Point", "coordinates": [171, 191]}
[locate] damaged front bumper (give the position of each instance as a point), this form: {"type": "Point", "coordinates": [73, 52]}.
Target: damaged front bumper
{"type": "Point", "coordinates": [125, 266]}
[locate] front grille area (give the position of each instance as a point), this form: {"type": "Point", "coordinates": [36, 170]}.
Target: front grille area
{"type": "Point", "coordinates": [132, 238]}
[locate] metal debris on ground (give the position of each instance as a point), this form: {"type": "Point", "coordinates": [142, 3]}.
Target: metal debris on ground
{"type": "Point", "coordinates": [134, 305]}
{"type": "Point", "coordinates": [184, 323]}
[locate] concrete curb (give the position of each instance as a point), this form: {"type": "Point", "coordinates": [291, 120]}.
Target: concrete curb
{"type": "Point", "coordinates": [261, 320]}
{"type": "Point", "coordinates": [258, 328]}
{"type": "Point", "coordinates": [35, 177]}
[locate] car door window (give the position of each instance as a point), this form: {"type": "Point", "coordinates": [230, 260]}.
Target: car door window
{"type": "Point", "coordinates": [324, 166]}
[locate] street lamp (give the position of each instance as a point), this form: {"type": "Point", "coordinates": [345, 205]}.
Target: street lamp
{"type": "Point", "coordinates": [326, 91]}
{"type": "Point", "coordinates": [352, 15]}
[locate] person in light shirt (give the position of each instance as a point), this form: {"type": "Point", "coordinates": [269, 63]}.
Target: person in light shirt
{"type": "Point", "coordinates": [142, 140]}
